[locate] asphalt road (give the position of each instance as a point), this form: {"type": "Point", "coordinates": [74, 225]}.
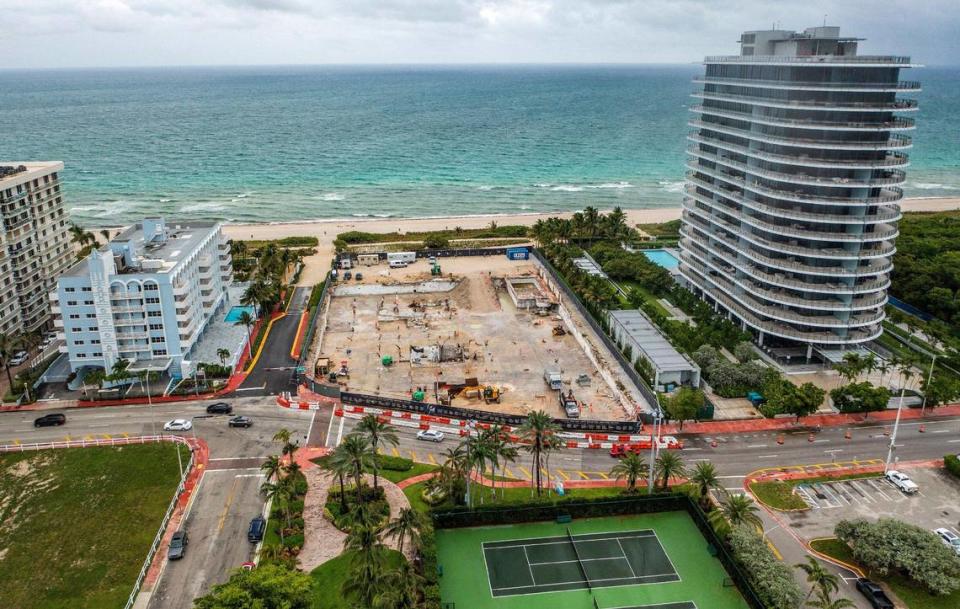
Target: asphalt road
{"type": "Point", "coordinates": [273, 372]}
{"type": "Point", "coordinates": [228, 495]}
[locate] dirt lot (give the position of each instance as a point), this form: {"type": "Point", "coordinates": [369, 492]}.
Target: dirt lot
{"type": "Point", "coordinates": [501, 345]}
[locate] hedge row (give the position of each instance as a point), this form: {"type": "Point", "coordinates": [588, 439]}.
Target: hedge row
{"type": "Point", "coordinates": [953, 464]}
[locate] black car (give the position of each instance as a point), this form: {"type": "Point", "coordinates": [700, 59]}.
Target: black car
{"type": "Point", "coordinates": [50, 420]}
{"type": "Point", "coordinates": [240, 422]}
{"type": "Point", "coordinates": [875, 595]}
{"type": "Point", "coordinates": [257, 527]}
{"type": "Point", "coordinates": [178, 545]}
{"type": "Point", "coordinates": [219, 408]}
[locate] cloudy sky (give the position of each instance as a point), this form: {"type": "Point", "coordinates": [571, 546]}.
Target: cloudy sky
{"type": "Point", "coordinates": [61, 33]}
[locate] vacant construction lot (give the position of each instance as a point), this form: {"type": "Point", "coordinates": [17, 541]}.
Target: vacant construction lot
{"type": "Point", "coordinates": [77, 523]}
{"type": "Point", "coordinates": [469, 315]}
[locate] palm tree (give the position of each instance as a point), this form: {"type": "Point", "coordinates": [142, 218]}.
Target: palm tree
{"type": "Point", "coordinates": [281, 493]}
{"type": "Point", "coordinates": [357, 450]}
{"type": "Point", "coordinates": [704, 478]}
{"type": "Point", "coordinates": [401, 588]}
{"type": "Point", "coordinates": [245, 319]}
{"type": "Point", "coordinates": [455, 469]}
{"type": "Point", "coordinates": [272, 467]}
{"type": "Point", "coordinates": [480, 451]}
{"type": "Point", "coordinates": [668, 465]}
{"type": "Point", "coordinates": [292, 469]}
{"type": "Point", "coordinates": [8, 346]}
{"type": "Point", "coordinates": [366, 563]}
{"type": "Point", "coordinates": [78, 235]}
{"type": "Point", "coordinates": [223, 354]}
{"type": "Point", "coordinates": [105, 233]}
{"type": "Point", "coordinates": [631, 468]}
{"type": "Point", "coordinates": [824, 601]}
{"type": "Point", "coordinates": [537, 431]}
{"type": "Point", "coordinates": [738, 510]}
{"type": "Point", "coordinates": [377, 432]}
{"type": "Point", "coordinates": [338, 464]}
{"type": "Point", "coordinates": [408, 523]}
{"type": "Point", "coordinates": [818, 577]}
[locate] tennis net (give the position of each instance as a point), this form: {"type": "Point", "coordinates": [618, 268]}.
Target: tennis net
{"type": "Point", "coordinates": [579, 560]}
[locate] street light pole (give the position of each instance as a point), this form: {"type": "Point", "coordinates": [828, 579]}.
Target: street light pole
{"type": "Point", "coordinates": [653, 447]}
{"type": "Point", "coordinates": [905, 374]}
{"type": "Point", "coordinates": [923, 406]}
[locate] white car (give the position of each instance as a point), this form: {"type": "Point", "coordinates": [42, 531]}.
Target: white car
{"type": "Point", "coordinates": [178, 425]}
{"type": "Point", "coordinates": [949, 539]}
{"type": "Point", "coordinates": [19, 357]}
{"type": "Point", "coordinates": [430, 435]}
{"type": "Point", "coordinates": [902, 481]}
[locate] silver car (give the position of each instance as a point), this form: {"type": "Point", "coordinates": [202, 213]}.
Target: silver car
{"type": "Point", "coordinates": [430, 435]}
{"type": "Point", "coordinates": [949, 539]}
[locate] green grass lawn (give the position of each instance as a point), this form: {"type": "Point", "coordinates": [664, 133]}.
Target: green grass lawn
{"type": "Point", "coordinates": [77, 523]}
{"type": "Point", "coordinates": [914, 597]}
{"type": "Point", "coordinates": [779, 494]}
{"type": "Point", "coordinates": [417, 469]}
{"type": "Point", "coordinates": [329, 577]}
{"type": "Point", "coordinates": [466, 583]}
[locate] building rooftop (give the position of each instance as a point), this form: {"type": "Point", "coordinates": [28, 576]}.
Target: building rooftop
{"type": "Point", "coordinates": [653, 344]}
{"type": "Point", "coordinates": [18, 172]}
{"type": "Point", "coordinates": [161, 253]}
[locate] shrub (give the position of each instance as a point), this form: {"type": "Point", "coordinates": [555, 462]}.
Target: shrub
{"type": "Point", "coordinates": [293, 542]}
{"type": "Point", "coordinates": [952, 464]}
{"type": "Point", "coordinates": [891, 546]}
{"type": "Point", "coordinates": [394, 464]}
{"type": "Point", "coordinates": [771, 579]}
{"type": "Point", "coordinates": [435, 242]}
{"type": "Point", "coordinates": [374, 499]}
{"type": "Point", "coordinates": [860, 397]}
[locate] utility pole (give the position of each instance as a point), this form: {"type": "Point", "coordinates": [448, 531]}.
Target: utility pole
{"type": "Point", "coordinates": [657, 418]}
{"type": "Point", "coordinates": [905, 375]}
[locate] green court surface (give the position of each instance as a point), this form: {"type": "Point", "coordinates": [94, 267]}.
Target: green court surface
{"type": "Point", "coordinates": [648, 561]}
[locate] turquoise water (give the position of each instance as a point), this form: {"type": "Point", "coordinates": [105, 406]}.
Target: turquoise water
{"type": "Point", "coordinates": [233, 315]}
{"type": "Point", "coordinates": [662, 258]}
{"type": "Point", "coordinates": [278, 144]}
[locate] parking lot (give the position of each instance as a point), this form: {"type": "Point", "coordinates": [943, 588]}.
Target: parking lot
{"type": "Point", "coordinates": [936, 504]}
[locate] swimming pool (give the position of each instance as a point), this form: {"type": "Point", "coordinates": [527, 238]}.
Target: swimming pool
{"type": "Point", "coordinates": [662, 258]}
{"type": "Point", "coordinates": [233, 315]}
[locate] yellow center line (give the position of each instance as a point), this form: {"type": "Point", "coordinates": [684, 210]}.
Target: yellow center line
{"type": "Point", "coordinates": [226, 508]}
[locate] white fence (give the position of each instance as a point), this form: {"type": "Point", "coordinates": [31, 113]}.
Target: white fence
{"type": "Point", "coordinates": [158, 538]}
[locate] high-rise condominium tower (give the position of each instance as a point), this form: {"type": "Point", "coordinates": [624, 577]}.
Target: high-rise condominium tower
{"type": "Point", "coordinates": [791, 205]}
{"type": "Point", "coordinates": [34, 243]}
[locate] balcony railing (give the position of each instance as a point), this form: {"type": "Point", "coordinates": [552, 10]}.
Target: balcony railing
{"type": "Point", "coordinates": [894, 141]}
{"type": "Point", "coordinates": [866, 87]}
{"type": "Point", "coordinates": [882, 60]}
{"type": "Point", "coordinates": [780, 329]}
{"type": "Point", "coordinates": [896, 178]}
{"type": "Point", "coordinates": [898, 105]}
{"type": "Point", "coordinates": [897, 124]}
{"type": "Point", "coordinates": [780, 295]}
{"type": "Point", "coordinates": [896, 159]}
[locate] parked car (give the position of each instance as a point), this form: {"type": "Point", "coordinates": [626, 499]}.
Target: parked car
{"type": "Point", "coordinates": [240, 421]}
{"type": "Point", "coordinates": [178, 545]}
{"type": "Point", "coordinates": [430, 435]}
{"type": "Point", "coordinates": [949, 539]}
{"type": "Point", "coordinates": [219, 408]}
{"type": "Point", "coordinates": [50, 420]}
{"type": "Point", "coordinates": [902, 481]}
{"type": "Point", "coordinates": [358, 276]}
{"type": "Point", "coordinates": [19, 357]}
{"type": "Point", "coordinates": [178, 425]}
{"type": "Point", "coordinates": [347, 275]}
{"type": "Point", "coordinates": [877, 598]}
{"type": "Point", "coordinates": [257, 527]}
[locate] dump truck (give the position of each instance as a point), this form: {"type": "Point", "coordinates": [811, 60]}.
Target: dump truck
{"type": "Point", "coordinates": [570, 405]}
{"type": "Point", "coordinates": [552, 377]}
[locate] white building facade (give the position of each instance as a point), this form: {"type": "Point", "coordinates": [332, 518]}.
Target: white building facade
{"type": "Point", "coordinates": [791, 201]}
{"type": "Point", "coordinates": [145, 297]}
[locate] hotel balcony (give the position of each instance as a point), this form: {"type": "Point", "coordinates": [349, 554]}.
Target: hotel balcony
{"type": "Point", "coordinates": [897, 124]}
{"type": "Point", "coordinates": [895, 177]}
{"type": "Point", "coordinates": [895, 159]}
{"type": "Point", "coordinates": [894, 141]}
{"type": "Point", "coordinates": [898, 105]}
{"type": "Point", "coordinates": [859, 61]}
{"type": "Point", "coordinates": [867, 87]}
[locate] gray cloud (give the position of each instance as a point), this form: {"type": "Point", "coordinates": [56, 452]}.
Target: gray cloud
{"type": "Point", "coordinates": [152, 32]}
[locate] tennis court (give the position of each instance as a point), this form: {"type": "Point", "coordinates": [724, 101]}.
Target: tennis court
{"type": "Point", "coordinates": [598, 560]}
{"type": "Point", "coordinates": [641, 561]}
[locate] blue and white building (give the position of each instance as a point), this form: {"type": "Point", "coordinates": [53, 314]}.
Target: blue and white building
{"type": "Point", "coordinates": [146, 297]}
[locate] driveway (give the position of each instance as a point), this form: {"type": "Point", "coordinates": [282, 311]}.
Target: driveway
{"type": "Point", "coordinates": [273, 373]}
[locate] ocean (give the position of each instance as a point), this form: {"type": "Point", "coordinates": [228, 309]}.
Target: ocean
{"type": "Point", "coordinates": [284, 144]}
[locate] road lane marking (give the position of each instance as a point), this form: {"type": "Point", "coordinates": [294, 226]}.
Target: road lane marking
{"type": "Point", "coordinates": [507, 472]}
{"type": "Point", "coordinates": [413, 454]}
{"type": "Point", "coordinates": [563, 474]}
{"type": "Point", "coordinates": [767, 456]}
{"type": "Point", "coordinates": [226, 508]}
{"type": "Point", "coordinates": [525, 471]}
{"type": "Point", "coordinates": [396, 453]}
{"type": "Point", "coordinates": [584, 476]}
{"type": "Point", "coordinates": [604, 476]}
{"type": "Point", "coordinates": [757, 445]}
{"type": "Point", "coordinates": [431, 459]}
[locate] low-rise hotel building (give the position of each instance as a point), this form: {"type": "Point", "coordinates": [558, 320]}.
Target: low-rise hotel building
{"type": "Point", "coordinates": [145, 297]}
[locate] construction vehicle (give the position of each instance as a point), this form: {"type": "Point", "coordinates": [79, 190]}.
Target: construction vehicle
{"type": "Point", "coordinates": [552, 377]}
{"type": "Point", "coordinates": [491, 393]}
{"type": "Point", "coordinates": [570, 405]}
{"type": "Point", "coordinates": [418, 395]}
{"type": "Point", "coordinates": [559, 331]}
{"type": "Point", "coordinates": [386, 361]}
{"type": "Point", "coordinates": [435, 269]}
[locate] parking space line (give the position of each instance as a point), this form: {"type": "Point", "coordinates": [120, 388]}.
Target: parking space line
{"type": "Point", "coordinates": [865, 497]}
{"type": "Point", "coordinates": [879, 490]}
{"type": "Point", "coordinates": [431, 459]}
{"type": "Point", "coordinates": [413, 454]}
{"type": "Point", "coordinates": [396, 452]}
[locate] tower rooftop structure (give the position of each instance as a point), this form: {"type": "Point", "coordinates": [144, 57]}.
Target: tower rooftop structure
{"type": "Point", "coordinates": [795, 165]}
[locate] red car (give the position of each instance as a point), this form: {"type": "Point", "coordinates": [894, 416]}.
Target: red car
{"type": "Point", "coordinates": [621, 450]}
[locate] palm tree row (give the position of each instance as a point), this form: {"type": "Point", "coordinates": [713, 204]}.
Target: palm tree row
{"type": "Point", "coordinates": [283, 483]}
{"type": "Point", "coordinates": [587, 225]}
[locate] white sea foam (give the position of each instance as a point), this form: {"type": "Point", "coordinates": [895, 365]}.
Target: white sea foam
{"type": "Point", "coordinates": [567, 188]}
{"type": "Point", "coordinates": [331, 196]}
{"type": "Point", "coordinates": [210, 206]}
{"type": "Point", "coordinates": [670, 186]}
{"type": "Point", "coordinates": [244, 195]}
{"type": "Point", "coordinates": [166, 200]}
{"type": "Point", "coordinates": [932, 186]}
{"type": "Point", "coordinates": [86, 208]}
{"type": "Point", "coordinates": [614, 185]}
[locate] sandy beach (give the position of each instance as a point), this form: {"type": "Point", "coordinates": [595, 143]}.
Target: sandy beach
{"type": "Point", "coordinates": [326, 231]}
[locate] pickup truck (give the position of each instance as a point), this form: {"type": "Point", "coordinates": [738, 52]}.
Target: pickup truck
{"type": "Point", "coordinates": [553, 378]}
{"type": "Point", "coordinates": [570, 405]}
{"type": "Point", "coordinates": [902, 482]}
{"type": "Point", "coordinates": [877, 598]}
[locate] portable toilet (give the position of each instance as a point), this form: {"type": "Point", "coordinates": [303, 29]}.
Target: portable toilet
{"type": "Point", "coordinates": [517, 253]}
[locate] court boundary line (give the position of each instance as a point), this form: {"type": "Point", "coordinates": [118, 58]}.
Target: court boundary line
{"type": "Point", "coordinates": [609, 579]}
{"type": "Point", "coordinates": [667, 604]}
{"type": "Point", "coordinates": [564, 539]}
